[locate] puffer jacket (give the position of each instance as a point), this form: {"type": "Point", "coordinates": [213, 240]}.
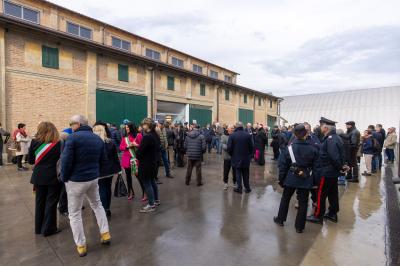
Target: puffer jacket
{"type": "Point", "coordinates": [195, 145]}
{"type": "Point", "coordinates": [82, 156]}
{"type": "Point", "coordinates": [224, 143]}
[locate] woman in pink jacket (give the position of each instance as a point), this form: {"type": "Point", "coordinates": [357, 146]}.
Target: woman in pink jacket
{"type": "Point", "coordinates": [128, 145]}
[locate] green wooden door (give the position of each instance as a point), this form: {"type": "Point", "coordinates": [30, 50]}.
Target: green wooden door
{"type": "Point", "coordinates": [246, 116]}
{"type": "Point", "coordinates": [114, 107]}
{"type": "Point", "coordinates": [202, 115]}
{"type": "Point", "coordinates": [271, 121]}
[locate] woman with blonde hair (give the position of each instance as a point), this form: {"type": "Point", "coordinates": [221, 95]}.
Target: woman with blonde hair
{"type": "Point", "coordinates": [44, 153]}
{"type": "Point", "coordinates": [109, 168]}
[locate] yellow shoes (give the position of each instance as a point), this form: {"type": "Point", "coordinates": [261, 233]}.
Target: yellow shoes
{"type": "Point", "coordinates": [82, 251]}
{"type": "Point", "coordinates": [105, 238]}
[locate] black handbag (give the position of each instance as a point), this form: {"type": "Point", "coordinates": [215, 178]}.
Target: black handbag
{"type": "Point", "coordinates": [120, 189]}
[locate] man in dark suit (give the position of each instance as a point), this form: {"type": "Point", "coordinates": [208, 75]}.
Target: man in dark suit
{"type": "Point", "coordinates": [240, 147]}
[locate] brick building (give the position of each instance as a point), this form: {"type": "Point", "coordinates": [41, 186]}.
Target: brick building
{"type": "Point", "coordinates": [55, 63]}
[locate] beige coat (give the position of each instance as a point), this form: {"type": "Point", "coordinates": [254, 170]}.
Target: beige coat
{"type": "Point", "coordinates": [390, 141]}
{"type": "Point", "coordinates": [25, 142]}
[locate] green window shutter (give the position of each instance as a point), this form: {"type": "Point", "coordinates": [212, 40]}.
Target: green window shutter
{"type": "Point", "coordinates": [202, 89]}
{"type": "Point", "coordinates": [171, 83]}
{"type": "Point", "coordinates": [123, 73]}
{"type": "Point", "coordinates": [245, 98]}
{"type": "Point", "coordinates": [50, 57]}
{"type": "Point", "coordinates": [226, 94]}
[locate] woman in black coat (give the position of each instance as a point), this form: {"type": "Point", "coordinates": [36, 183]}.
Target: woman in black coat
{"type": "Point", "coordinates": [147, 154]}
{"type": "Point", "coordinates": [44, 153]}
{"type": "Point", "coordinates": [260, 142]}
{"type": "Point", "coordinates": [109, 168]}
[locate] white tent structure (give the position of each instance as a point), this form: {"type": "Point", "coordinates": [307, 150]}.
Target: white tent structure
{"type": "Point", "coordinates": [365, 107]}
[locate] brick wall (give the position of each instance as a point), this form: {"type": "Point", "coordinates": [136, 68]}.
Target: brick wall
{"type": "Point", "coordinates": [35, 93]}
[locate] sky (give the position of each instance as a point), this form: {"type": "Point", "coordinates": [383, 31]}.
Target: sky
{"type": "Point", "coordinates": [286, 47]}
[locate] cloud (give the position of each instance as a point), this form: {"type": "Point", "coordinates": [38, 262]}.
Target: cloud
{"type": "Point", "coordinates": [373, 49]}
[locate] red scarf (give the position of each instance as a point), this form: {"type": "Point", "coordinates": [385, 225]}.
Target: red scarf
{"type": "Point", "coordinates": [21, 131]}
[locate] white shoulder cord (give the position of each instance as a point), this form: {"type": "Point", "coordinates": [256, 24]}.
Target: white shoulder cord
{"type": "Point", "coordinates": [291, 154]}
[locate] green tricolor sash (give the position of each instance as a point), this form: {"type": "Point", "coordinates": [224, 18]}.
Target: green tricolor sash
{"type": "Point", "coordinates": [134, 166]}
{"type": "Point", "coordinates": [43, 150]}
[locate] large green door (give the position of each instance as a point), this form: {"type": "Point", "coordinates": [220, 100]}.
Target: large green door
{"type": "Point", "coordinates": [271, 121]}
{"type": "Point", "coordinates": [114, 107]}
{"type": "Point", "coordinates": [202, 115]}
{"type": "Point", "coordinates": [246, 116]}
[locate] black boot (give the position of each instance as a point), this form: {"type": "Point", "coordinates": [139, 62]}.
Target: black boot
{"type": "Point", "coordinates": [331, 217]}
{"type": "Point", "coordinates": [276, 220]}
{"type": "Point", "coordinates": [315, 220]}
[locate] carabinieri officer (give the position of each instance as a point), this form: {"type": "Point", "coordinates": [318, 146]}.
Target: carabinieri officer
{"type": "Point", "coordinates": [296, 164]}
{"type": "Point", "coordinates": [332, 165]}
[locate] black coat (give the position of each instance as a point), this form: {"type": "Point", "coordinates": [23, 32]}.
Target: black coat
{"type": "Point", "coordinates": [306, 158]}
{"type": "Point", "coordinates": [148, 151]}
{"type": "Point", "coordinates": [240, 147]}
{"type": "Point", "coordinates": [260, 140]}
{"type": "Point", "coordinates": [331, 156]}
{"type": "Point", "coordinates": [45, 172]}
{"type": "Point", "coordinates": [111, 165]}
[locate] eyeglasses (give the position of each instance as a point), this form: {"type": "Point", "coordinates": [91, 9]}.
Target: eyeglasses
{"type": "Point", "coordinates": [72, 123]}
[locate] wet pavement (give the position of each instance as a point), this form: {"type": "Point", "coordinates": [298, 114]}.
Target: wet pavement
{"type": "Point", "coordinates": [200, 226]}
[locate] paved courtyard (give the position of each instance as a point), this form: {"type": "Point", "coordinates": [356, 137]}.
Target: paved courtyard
{"type": "Point", "coordinates": [200, 226]}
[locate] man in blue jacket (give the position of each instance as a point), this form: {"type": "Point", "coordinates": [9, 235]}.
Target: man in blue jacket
{"type": "Point", "coordinates": [297, 164]}
{"type": "Point", "coordinates": [331, 165]}
{"type": "Point", "coordinates": [240, 148]}
{"type": "Point", "coordinates": [81, 159]}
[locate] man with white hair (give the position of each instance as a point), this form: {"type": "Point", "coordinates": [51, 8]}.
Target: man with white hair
{"type": "Point", "coordinates": [81, 159]}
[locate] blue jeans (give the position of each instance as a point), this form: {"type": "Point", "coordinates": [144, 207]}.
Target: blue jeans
{"type": "Point", "coordinates": [151, 189]}
{"type": "Point", "coordinates": [375, 162]}
{"type": "Point", "coordinates": [105, 192]}
{"type": "Point", "coordinates": [209, 146]}
{"type": "Point", "coordinates": [390, 154]}
{"type": "Point", "coordinates": [164, 157]}
{"type": "Point", "coordinates": [219, 145]}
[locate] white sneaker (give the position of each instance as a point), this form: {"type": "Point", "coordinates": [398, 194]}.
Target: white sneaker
{"type": "Point", "coordinates": [148, 208]}
{"type": "Point", "coordinates": [234, 186]}
{"type": "Point", "coordinates": [226, 186]}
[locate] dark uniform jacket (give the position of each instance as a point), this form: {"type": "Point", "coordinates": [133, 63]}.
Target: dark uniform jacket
{"type": "Point", "coordinates": [45, 172]}
{"type": "Point", "coordinates": [306, 158]}
{"type": "Point", "coordinates": [240, 147]}
{"type": "Point", "coordinates": [331, 157]}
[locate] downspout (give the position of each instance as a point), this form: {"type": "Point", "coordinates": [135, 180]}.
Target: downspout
{"type": "Point", "coordinates": [279, 112]}
{"type": "Point", "coordinates": [217, 104]}
{"type": "Point", "coordinates": [152, 92]}
{"type": "Point", "coordinates": [254, 108]}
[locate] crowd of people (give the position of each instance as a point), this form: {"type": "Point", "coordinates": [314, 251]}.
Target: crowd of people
{"type": "Point", "coordinates": [80, 162]}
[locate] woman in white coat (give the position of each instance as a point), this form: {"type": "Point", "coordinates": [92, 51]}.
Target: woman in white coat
{"type": "Point", "coordinates": [23, 142]}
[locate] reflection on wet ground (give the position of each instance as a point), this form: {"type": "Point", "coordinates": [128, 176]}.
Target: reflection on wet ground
{"type": "Point", "coordinates": [201, 226]}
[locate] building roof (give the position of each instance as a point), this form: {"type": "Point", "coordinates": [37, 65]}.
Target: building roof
{"type": "Point", "coordinates": [101, 48]}
{"type": "Point", "coordinates": [134, 35]}
{"type": "Point", "coordinates": [364, 106]}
